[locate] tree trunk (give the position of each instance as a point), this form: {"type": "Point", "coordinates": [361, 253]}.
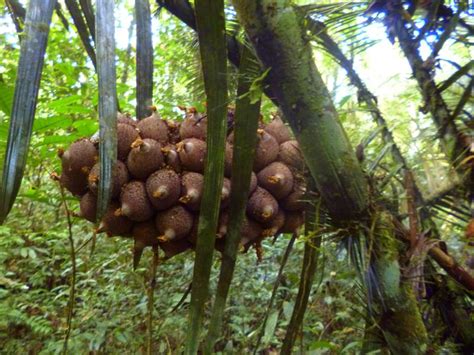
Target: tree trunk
{"type": "Point", "coordinates": [274, 29]}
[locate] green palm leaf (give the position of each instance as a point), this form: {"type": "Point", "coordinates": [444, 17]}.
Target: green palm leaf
{"type": "Point", "coordinates": [211, 30]}
{"type": "Point", "coordinates": [246, 124]}
{"type": "Point", "coordinates": [107, 100]}
{"type": "Point", "coordinates": [33, 48]}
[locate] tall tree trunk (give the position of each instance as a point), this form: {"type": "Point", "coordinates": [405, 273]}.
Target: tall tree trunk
{"type": "Point", "coordinates": [274, 29]}
{"type": "Point", "coordinates": [297, 85]}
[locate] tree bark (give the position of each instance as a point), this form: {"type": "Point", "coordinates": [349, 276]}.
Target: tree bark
{"type": "Point", "coordinates": [274, 29]}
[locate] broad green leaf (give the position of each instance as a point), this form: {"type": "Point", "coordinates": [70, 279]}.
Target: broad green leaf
{"type": "Point", "coordinates": [6, 98]}
{"type": "Point", "coordinates": [270, 326]}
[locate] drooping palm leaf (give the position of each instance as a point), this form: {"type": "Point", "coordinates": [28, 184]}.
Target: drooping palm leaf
{"type": "Point", "coordinates": [82, 29]}
{"type": "Point", "coordinates": [210, 22]}
{"type": "Point", "coordinates": [88, 12]}
{"type": "Point", "coordinates": [144, 58]}
{"type": "Point", "coordinates": [107, 100]}
{"type": "Point", "coordinates": [245, 126]}
{"type": "Point", "coordinates": [30, 66]}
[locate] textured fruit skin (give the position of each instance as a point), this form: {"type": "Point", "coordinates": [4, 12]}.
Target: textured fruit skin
{"type": "Point", "coordinates": [191, 190]}
{"type": "Point", "coordinates": [120, 177]}
{"type": "Point", "coordinates": [262, 206]}
{"type": "Point", "coordinates": [276, 224]}
{"type": "Point", "coordinates": [135, 203]}
{"type": "Point", "coordinates": [163, 188]}
{"type": "Point", "coordinates": [192, 153]}
{"type": "Point", "coordinates": [145, 233]}
{"type": "Point", "coordinates": [194, 126]}
{"type": "Point", "coordinates": [229, 153]}
{"type": "Point", "coordinates": [295, 201]}
{"type": "Point", "coordinates": [293, 221]}
{"type": "Point", "coordinates": [166, 159]}
{"type": "Point", "coordinates": [145, 158]}
{"type": "Point", "coordinates": [250, 231]}
{"type": "Point", "coordinates": [75, 184]}
{"type": "Point", "coordinates": [88, 207]}
{"type": "Point", "coordinates": [175, 247]}
{"type": "Point", "coordinates": [171, 156]}
{"type": "Point", "coordinates": [225, 195]}
{"type": "Point", "coordinates": [126, 119]}
{"type": "Point", "coordinates": [278, 130]}
{"type": "Point", "coordinates": [114, 223]}
{"type": "Point", "coordinates": [79, 157]}
{"type": "Point", "coordinates": [266, 151]}
{"type": "Point", "coordinates": [126, 135]}
{"type": "Point", "coordinates": [176, 220]}
{"type": "Point", "coordinates": [154, 127]}
{"type": "Point", "coordinates": [277, 179]}
{"type": "Point", "coordinates": [290, 154]}
{"type": "Point", "coordinates": [173, 131]}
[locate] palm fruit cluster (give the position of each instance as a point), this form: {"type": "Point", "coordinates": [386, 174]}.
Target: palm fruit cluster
{"type": "Point", "coordinates": [158, 183]}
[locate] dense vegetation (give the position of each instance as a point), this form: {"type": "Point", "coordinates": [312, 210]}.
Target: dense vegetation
{"type": "Point", "coordinates": [409, 117]}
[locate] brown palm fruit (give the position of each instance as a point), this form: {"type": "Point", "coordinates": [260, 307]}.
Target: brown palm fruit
{"type": "Point", "coordinates": [191, 190]}
{"type": "Point", "coordinates": [293, 221]}
{"type": "Point", "coordinates": [144, 158]}
{"type": "Point", "coordinates": [79, 158]}
{"type": "Point", "coordinates": [222, 225]}
{"type": "Point", "coordinates": [253, 182]}
{"type": "Point", "coordinates": [193, 234]}
{"type": "Point", "coordinates": [174, 223]}
{"type": "Point", "coordinates": [290, 154]}
{"type": "Point", "coordinates": [266, 151]}
{"type": "Point", "coordinates": [278, 130]}
{"type": "Point", "coordinates": [173, 131]}
{"type": "Point", "coordinates": [120, 177]}
{"type": "Point", "coordinates": [229, 153]}
{"type": "Point", "coordinates": [114, 223]}
{"type": "Point", "coordinates": [163, 188]}
{"type": "Point", "coordinates": [126, 119]}
{"type": "Point", "coordinates": [135, 203]}
{"type": "Point", "coordinates": [75, 184]}
{"type": "Point", "coordinates": [271, 228]}
{"type": "Point", "coordinates": [175, 247]}
{"type": "Point", "coordinates": [295, 201]}
{"type": "Point", "coordinates": [219, 245]}
{"type": "Point", "coordinates": [88, 207]}
{"type": "Point", "coordinates": [225, 195]}
{"type": "Point", "coordinates": [144, 235]}
{"type": "Point", "coordinates": [172, 157]}
{"type": "Point", "coordinates": [126, 135]}
{"type": "Point", "coordinates": [250, 231]}
{"type": "Point", "coordinates": [194, 126]}
{"type": "Point", "coordinates": [154, 127]}
{"type": "Point", "coordinates": [262, 206]}
{"type": "Point", "coordinates": [192, 153]}
{"type": "Point", "coordinates": [277, 179]}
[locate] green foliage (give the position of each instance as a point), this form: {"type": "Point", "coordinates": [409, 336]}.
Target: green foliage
{"type": "Point", "coordinates": [111, 303]}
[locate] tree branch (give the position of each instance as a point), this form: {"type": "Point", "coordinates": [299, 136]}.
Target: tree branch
{"type": "Point", "coordinates": [453, 141]}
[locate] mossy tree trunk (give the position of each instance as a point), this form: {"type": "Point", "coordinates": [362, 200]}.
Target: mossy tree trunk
{"type": "Point", "coordinates": [274, 28]}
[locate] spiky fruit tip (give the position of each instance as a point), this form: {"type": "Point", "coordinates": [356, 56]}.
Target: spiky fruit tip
{"type": "Point", "coordinates": [137, 143]}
